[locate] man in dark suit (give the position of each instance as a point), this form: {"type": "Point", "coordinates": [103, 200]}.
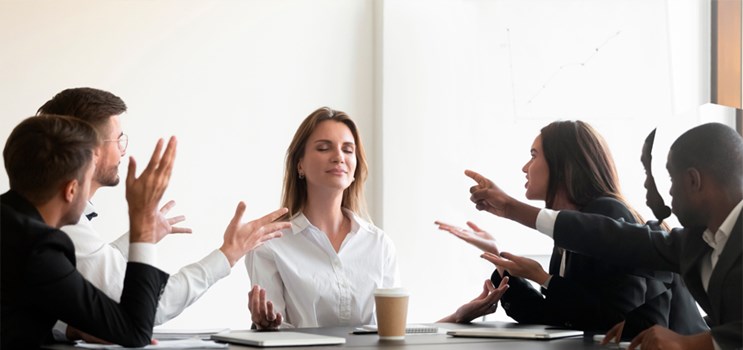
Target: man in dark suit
{"type": "Point", "coordinates": [50, 163]}
{"type": "Point", "coordinates": [706, 169]}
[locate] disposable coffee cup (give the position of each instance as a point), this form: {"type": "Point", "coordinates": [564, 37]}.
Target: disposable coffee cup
{"type": "Point", "coordinates": [392, 312]}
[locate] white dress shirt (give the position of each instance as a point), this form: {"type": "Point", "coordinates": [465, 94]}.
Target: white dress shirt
{"type": "Point", "coordinates": [313, 286]}
{"type": "Point", "coordinates": [104, 265]}
{"type": "Point", "coordinates": [546, 225]}
{"type": "Point", "coordinates": [717, 242]}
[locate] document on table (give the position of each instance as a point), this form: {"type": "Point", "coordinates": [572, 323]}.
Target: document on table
{"type": "Point", "coordinates": [173, 334]}
{"type": "Point", "coordinates": [193, 343]}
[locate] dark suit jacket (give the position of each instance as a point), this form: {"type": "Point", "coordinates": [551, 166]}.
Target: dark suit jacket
{"type": "Point", "coordinates": [683, 316]}
{"type": "Point", "coordinates": [40, 285]}
{"type": "Point", "coordinates": [593, 295]}
{"type": "Point", "coordinates": [680, 250]}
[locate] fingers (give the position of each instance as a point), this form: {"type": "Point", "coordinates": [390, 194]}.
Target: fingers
{"type": "Point", "coordinates": [473, 226]}
{"type": "Point", "coordinates": [131, 171]}
{"type": "Point", "coordinates": [638, 339]}
{"type": "Point", "coordinates": [514, 258]}
{"type": "Point", "coordinates": [614, 333]}
{"type": "Point", "coordinates": [155, 157]}
{"type": "Point", "coordinates": [489, 286]}
{"type": "Point", "coordinates": [165, 166]}
{"type": "Point", "coordinates": [270, 217]}
{"type": "Point", "coordinates": [503, 283]}
{"type": "Point", "coordinates": [166, 208]}
{"type": "Point", "coordinates": [481, 180]}
{"type": "Point", "coordinates": [253, 300]}
{"type": "Point", "coordinates": [239, 211]}
{"type": "Point", "coordinates": [174, 229]}
{"type": "Point", "coordinates": [176, 219]}
{"type": "Point", "coordinates": [498, 261]}
{"type": "Point", "coordinates": [269, 312]}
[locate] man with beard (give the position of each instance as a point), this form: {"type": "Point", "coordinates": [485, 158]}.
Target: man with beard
{"type": "Point", "coordinates": [103, 263]}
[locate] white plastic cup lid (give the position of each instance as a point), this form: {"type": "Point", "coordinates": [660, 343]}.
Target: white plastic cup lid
{"type": "Point", "coordinates": [391, 292]}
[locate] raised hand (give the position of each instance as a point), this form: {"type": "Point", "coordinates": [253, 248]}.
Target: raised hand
{"type": "Point", "coordinates": [518, 266]}
{"type": "Point", "coordinates": [143, 193]}
{"type": "Point", "coordinates": [261, 310]}
{"type": "Point", "coordinates": [489, 197]}
{"type": "Point", "coordinates": [165, 225]}
{"type": "Point", "coordinates": [241, 238]}
{"type": "Point", "coordinates": [484, 304]}
{"type": "Point", "coordinates": [477, 237]}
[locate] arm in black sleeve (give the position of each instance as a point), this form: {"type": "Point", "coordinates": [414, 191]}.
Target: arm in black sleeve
{"type": "Point", "coordinates": [60, 288]}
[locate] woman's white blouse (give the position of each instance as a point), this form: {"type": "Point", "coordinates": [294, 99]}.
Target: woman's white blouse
{"type": "Point", "coordinates": [313, 286]}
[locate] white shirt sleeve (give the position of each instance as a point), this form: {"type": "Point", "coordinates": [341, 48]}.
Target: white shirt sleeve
{"type": "Point", "coordinates": [144, 253]}
{"type": "Point", "coordinates": [263, 271]}
{"type": "Point", "coordinates": [122, 244]}
{"type": "Point", "coordinates": [59, 332]}
{"type": "Point", "coordinates": [99, 262]}
{"type": "Point", "coordinates": [546, 221]}
{"type": "Point", "coordinates": [189, 284]}
{"type": "Point", "coordinates": [104, 265]}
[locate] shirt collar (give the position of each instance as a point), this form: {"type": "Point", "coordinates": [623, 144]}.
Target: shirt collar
{"type": "Point", "coordinates": [300, 223]}
{"type": "Point", "coordinates": [725, 228]}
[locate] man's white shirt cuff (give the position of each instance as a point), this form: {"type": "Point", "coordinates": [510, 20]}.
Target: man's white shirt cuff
{"type": "Point", "coordinates": [546, 221]}
{"type": "Point", "coordinates": [144, 253]}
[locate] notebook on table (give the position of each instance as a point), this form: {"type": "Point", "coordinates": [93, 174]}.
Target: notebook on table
{"type": "Point", "coordinates": [277, 338]}
{"type": "Point", "coordinates": [518, 332]}
{"type": "Point", "coordinates": [409, 329]}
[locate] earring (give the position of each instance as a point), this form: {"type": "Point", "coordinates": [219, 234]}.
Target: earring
{"type": "Point", "coordinates": [301, 175]}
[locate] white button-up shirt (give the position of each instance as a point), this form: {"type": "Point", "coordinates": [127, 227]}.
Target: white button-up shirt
{"type": "Point", "coordinates": [313, 286]}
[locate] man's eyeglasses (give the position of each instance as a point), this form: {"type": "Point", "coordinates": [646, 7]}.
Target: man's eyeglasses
{"type": "Point", "coordinates": [123, 142]}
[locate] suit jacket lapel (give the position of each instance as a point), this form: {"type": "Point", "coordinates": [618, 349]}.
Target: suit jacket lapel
{"type": "Point", "coordinates": [696, 249]}
{"type": "Point", "coordinates": [729, 256]}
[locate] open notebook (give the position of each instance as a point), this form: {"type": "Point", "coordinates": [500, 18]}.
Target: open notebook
{"type": "Point", "coordinates": [276, 338]}
{"type": "Point", "coordinates": [519, 332]}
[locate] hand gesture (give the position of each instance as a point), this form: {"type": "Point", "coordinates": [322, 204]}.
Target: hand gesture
{"type": "Point", "coordinates": [518, 266]}
{"type": "Point", "coordinates": [483, 304]}
{"type": "Point", "coordinates": [143, 193]}
{"type": "Point", "coordinates": [486, 195]}
{"type": "Point", "coordinates": [240, 238]}
{"type": "Point", "coordinates": [477, 237]}
{"type": "Point", "coordinates": [261, 310]}
{"type": "Point", "coordinates": [165, 225]}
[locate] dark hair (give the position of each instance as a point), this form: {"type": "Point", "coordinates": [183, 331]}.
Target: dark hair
{"type": "Point", "coordinates": [46, 151]}
{"type": "Point", "coordinates": [580, 164]}
{"type": "Point", "coordinates": [715, 149]}
{"type": "Point", "coordinates": [91, 105]}
{"type": "Point", "coordinates": [294, 194]}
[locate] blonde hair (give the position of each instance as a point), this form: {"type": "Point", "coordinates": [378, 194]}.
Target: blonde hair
{"type": "Point", "coordinates": [294, 193]}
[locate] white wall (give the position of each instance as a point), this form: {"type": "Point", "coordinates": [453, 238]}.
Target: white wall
{"type": "Point", "coordinates": [437, 86]}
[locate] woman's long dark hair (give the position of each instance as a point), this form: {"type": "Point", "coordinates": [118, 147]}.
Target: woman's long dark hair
{"type": "Point", "coordinates": [580, 165]}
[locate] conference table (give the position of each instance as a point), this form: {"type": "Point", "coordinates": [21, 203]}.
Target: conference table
{"type": "Point", "coordinates": [429, 341]}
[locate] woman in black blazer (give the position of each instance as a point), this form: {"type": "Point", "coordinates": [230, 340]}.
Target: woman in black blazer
{"type": "Point", "coordinates": [572, 168]}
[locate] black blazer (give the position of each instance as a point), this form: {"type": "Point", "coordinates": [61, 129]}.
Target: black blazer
{"type": "Point", "coordinates": [593, 295]}
{"type": "Point", "coordinates": [680, 251]}
{"type": "Point", "coordinates": [683, 316]}
{"type": "Point", "coordinates": [40, 285]}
